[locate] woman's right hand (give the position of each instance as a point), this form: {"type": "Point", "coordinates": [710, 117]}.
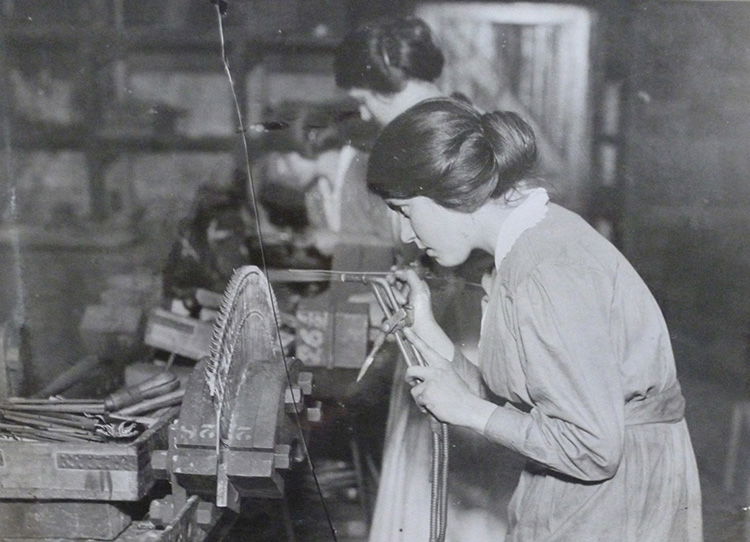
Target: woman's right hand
{"type": "Point", "coordinates": [416, 294]}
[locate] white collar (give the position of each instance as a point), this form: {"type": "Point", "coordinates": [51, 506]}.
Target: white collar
{"type": "Point", "coordinates": [526, 215]}
{"type": "Point", "coordinates": [346, 156]}
{"type": "Point", "coordinates": [332, 190]}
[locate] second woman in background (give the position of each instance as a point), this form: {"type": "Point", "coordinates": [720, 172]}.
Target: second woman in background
{"type": "Point", "coordinates": [388, 66]}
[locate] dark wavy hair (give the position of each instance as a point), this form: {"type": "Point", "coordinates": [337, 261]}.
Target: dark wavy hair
{"type": "Point", "coordinates": [383, 55]}
{"type": "Point", "coordinates": [446, 150]}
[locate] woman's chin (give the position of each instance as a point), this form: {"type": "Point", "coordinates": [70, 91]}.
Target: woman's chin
{"type": "Point", "coordinates": [445, 260]}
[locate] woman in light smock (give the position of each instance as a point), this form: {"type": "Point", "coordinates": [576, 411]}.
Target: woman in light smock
{"type": "Point", "coordinates": [572, 341]}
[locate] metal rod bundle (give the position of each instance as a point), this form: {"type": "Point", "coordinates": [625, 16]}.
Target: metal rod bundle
{"type": "Point", "coordinates": [90, 420]}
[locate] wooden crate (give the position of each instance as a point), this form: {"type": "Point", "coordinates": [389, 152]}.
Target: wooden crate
{"type": "Point", "coordinates": [179, 334]}
{"type": "Point", "coordinates": [83, 472]}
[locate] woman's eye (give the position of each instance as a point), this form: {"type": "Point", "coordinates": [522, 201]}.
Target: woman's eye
{"type": "Point", "coordinates": [400, 209]}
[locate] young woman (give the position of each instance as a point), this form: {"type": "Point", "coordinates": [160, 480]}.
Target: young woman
{"type": "Point", "coordinates": [572, 340]}
{"type": "Point", "coordinates": [389, 65]}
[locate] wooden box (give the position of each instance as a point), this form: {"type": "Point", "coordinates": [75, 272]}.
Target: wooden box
{"type": "Point", "coordinates": [182, 335]}
{"type": "Point", "coordinates": [331, 333]}
{"type": "Point", "coordinates": [86, 471]}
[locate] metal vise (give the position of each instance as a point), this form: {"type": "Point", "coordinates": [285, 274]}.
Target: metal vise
{"type": "Point", "coordinates": [263, 400]}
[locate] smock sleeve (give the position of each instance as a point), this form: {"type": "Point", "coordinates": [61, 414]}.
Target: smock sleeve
{"type": "Point", "coordinates": [575, 425]}
{"type": "Point", "coordinates": [469, 373]}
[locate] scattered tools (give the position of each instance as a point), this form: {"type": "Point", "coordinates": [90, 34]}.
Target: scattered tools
{"type": "Point", "coordinates": [165, 400]}
{"type": "Point", "coordinates": [156, 386]}
{"type": "Point", "coordinates": [98, 420]}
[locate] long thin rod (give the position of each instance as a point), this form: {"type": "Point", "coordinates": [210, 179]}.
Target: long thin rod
{"type": "Point", "coordinates": [254, 201]}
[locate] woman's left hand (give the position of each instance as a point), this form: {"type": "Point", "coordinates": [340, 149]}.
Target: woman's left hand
{"type": "Point", "coordinates": [438, 389]}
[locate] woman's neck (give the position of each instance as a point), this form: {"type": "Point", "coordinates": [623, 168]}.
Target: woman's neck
{"type": "Point", "coordinates": [414, 92]}
{"type": "Point", "coordinates": [490, 218]}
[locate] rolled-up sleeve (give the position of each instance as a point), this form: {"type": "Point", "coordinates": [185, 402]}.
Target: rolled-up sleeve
{"type": "Point", "coordinates": [575, 425]}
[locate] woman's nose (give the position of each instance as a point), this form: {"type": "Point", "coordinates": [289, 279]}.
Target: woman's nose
{"type": "Point", "coordinates": [406, 231]}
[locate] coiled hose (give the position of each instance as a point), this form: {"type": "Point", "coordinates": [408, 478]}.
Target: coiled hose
{"type": "Point", "coordinates": [439, 493]}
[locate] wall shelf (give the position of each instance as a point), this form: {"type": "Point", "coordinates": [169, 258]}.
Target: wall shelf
{"type": "Point", "coordinates": [106, 49]}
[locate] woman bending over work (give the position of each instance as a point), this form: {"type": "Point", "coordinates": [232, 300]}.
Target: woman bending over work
{"type": "Point", "coordinates": [571, 338]}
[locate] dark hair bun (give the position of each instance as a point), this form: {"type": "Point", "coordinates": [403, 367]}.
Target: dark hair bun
{"type": "Point", "coordinates": [407, 45]}
{"type": "Point", "coordinates": [446, 150]}
{"type": "Point", "coordinates": [383, 55]}
{"type": "Point", "coordinates": [513, 143]}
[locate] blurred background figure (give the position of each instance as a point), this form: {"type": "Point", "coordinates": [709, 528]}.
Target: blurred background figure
{"type": "Point", "coordinates": [211, 241]}
{"type": "Point", "coordinates": [314, 151]}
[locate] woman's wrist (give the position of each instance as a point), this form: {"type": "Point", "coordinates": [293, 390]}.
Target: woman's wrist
{"type": "Point", "coordinates": [478, 413]}
{"type": "Point", "coordinates": [433, 334]}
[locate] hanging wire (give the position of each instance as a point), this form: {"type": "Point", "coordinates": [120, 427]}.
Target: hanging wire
{"type": "Point", "coordinates": [221, 8]}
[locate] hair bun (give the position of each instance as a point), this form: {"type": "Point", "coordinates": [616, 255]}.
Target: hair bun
{"type": "Point", "coordinates": [384, 55]}
{"type": "Point", "coordinates": [512, 141]}
{"type": "Point", "coordinates": [486, 122]}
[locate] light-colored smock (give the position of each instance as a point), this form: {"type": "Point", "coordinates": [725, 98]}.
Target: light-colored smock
{"type": "Point", "coordinates": [575, 342]}
{"type": "Point", "coordinates": [344, 204]}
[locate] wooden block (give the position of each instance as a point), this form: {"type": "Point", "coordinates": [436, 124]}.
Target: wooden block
{"type": "Point", "coordinates": [179, 334]}
{"type": "Point", "coordinates": [208, 299]}
{"type": "Point", "coordinates": [177, 306]}
{"type": "Point", "coordinates": [94, 471]}
{"type": "Point", "coordinates": [314, 338]}
{"type": "Point", "coordinates": [112, 331]}
{"type": "Point", "coordinates": [331, 333]}
{"type": "Point", "coordinates": [61, 519]}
